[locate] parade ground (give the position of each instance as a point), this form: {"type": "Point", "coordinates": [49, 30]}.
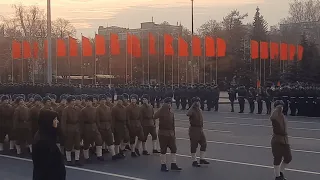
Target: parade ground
{"type": "Point", "coordinates": [238, 149]}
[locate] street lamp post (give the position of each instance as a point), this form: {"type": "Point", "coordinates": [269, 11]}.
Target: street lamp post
{"type": "Point", "coordinates": [49, 64]}
{"type": "Point", "coordinates": [192, 41]}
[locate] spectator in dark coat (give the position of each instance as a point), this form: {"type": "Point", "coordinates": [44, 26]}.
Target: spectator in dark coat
{"type": "Point", "coordinates": [48, 163]}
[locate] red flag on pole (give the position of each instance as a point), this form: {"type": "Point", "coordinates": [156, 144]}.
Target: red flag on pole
{"type": "Point", "coordinates": [210, 47]}
{"type": "Point", "coordinates": [16, 49]}
{"type": "Point", "coordinates": [115, 45]}
{"type": "Point", "coordinates": [300, 52]}
{"type": "Point", "coordinates": [86, 47]}
{"type": "Point", "coordinates": [264, 50]}
{"type": "Point", "coordinates": [221, 47]}
{"type": "Point", "coordinates": [183, 47]}
{"type": "Point", "coordinates": [168, 48]}
{"type": "Point", "coordinates": [254, 46]}
{"type": "Point", "coordinates": [196, 46]}
{"type": "Point", "coordinates": [274, 50]}
{"type": "Point", "coordinates": [61, 48]}
{"type": "Point", "coordinates": [129, 43]}
{"type": "Point", "coordinates": [73, 47]}
{"type": "Point", "coordinates": [152, 44]}
{"type": "Point", "coordinates": [136, 46]}
{"type": "Point", "coordinates": [100, 45]}
{"type": "Point", "coordinates": [35, 48]}
{"type": "Point", "coordinates": [26, 50]}
{"type": "Point", "coordinates": [292, 51]}
{"type": "Point", "coordinates": [283, 52]}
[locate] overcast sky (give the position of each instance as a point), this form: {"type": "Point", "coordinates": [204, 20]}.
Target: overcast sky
{"type": "Point", "coordinates": [88, 15]}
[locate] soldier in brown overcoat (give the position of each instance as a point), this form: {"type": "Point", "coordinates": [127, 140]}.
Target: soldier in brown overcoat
{"type": "Point", "coordinates": [134, 124]}
{"type": "Point", "coordinates": [34, 113]}
{"type": "Point", "coordinates": [53, 99]}
{"type": "Point", "coordinates": [148, 125]}
{"type": "Point", "coordinates": [279, 143]}
{"type": "Point", "coordinates": [91, 134]}
{"type": "Point", "coordinates": [31, 101]}
{"type": "Point", "coordinates": [105, 124]}
{"type": "Point", "coordinates": [109, 100]}
{"type": "Point", "coordinates": [22, 125]}
{"type": "Point", "coordinates": [125, 145]}
{"type": "Point", "coordinates": [95, 101]}
{"type": "Point", "coordinates": [47, 103]}
{"type": "Point", "coordinates": [196, 133]}
{"type": "Point", "coordinates": [6, 125]}
{"type": "Point", "coordinates": [70, 127]}
{"type": "Point", "coordinates": [166, 135]}
{"type": "Point", "coordinates": [119, 118]}
{"type": "Point", "coordinates": [59, 109]}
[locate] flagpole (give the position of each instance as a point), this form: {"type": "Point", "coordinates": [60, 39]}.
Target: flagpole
{"type": "Point", "coordinates": [149, 58]}
{"type": "Point", "coordinates": [159, 58]}
{"type": "Point", "coordinates": [198, 69]}
{"type": "Point", "coordinates": [126, 58]}
{"type": "Point", "coordinates": [142, 59]}
{"type": "Point", "coordinates": [187, 70]}
{"type": "Point", "coordinates": [264, 72]}
{"type": "Point", "coordinates": [81, 60]}
{"type": "Point", "coordinates": [49, 65]}
{"type": "Point", "coordinates": [11, 64]}
{"type": "Point", "coordinates": [217, 68]}
{"type": "Point", "coordinates": [270, 59]}
{"type": "Point", "coordinates": [131, 72]}
{"type": "Point", "coordinates": [172, 64]}
{"type": "Point", "coordinates": [260, 63]}
{"type": "Point", "coordinates": [69, 62]}
{"type": "Point", "coordinates": [22, 78]}
{"type": "Point", "coordinates": [204, 61]}
{"type": "Point", "coordinates": [164, 69]}
{"type": "Point", "coordinates": [109, 62]}
{"type": "Point", "coordinates": [178, 58]}
{"type": "Point", "coordinates": [95, 60]}
{"type": "Point", "coordinates": [56, 61]}
{"type": "Point", "coordinates": [32, 61]}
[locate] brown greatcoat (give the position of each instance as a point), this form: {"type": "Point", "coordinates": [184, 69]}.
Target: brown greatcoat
{"type": "Point", "coordinates": [148, 123]}
{"type": "Point", "coordinates": [22, 125]}
{"type": "Point", "coordinates": [196, 134]}
{"type": "Point", "coordinates": [59, 110]}
{"type": "Point", "coordinates": [134, 122]}
{"type": "Point", "coordinates": [110, 104]}
{"type": "Point", "coordinates": [91, 133]}
{"type": "Point", "coordinates": [71, 128]}
{"type": "Point", "coordinates": [34, 117]}
{"type": "Point", "coordinates": [166, 131]}
{"type": "Point", "coordinates": [6, 123]}
{"type": "Point", "coordinates": [119, 117]}
{"type": "Point", "coordinates": [105, 123]}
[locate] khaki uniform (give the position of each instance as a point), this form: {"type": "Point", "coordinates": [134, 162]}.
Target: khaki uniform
{"type": "Point", "coordinates": [279, 142]}
{"type": "Point", "coordinates": [134, 123]}
{"type": "Point", "coordinates": [110, 104]}
{"type": "Point", "coordinates": [105, 123]}
{"type": "Point", "coordinates": [120, 124]}
{"type": "Point", "coordinates": [148, 123]}
{"type": "Point", "coordinates": [34, 118]}
{"type": "Point", "coordinates": [91, 133]}
{"type": "Point", "coordinates": [166, 131]}
{"type": "Point", "coordinates": [6, 123]}
{"type": "Point", "coordinates": [61, 137]}
{"type": "Point", "coordinates": [22, 125]}
{"type": "Point", "coordinates": [71, 128]}
{"type": "Point", "coordinates": [196, 134]}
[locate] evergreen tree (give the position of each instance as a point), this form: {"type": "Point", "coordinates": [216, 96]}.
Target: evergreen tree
{"type": "Point", "coordinates": [260, 27]}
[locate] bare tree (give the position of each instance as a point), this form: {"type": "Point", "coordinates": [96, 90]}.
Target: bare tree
{"type": "Point", "coordinates": [62, 28]}
{"type": "Point", "coordinates": [210, 28]}
{"type": "Point", "coordinates": [304, 11]}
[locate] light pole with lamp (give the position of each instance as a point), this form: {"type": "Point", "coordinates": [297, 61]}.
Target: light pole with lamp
{"type": "Point", "coordinates": [49, 64]}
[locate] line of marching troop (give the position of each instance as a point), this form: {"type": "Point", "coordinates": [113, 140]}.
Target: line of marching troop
{"type": "Point", "coordinates": [94, 122]}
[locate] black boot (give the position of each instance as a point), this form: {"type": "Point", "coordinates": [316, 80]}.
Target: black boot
{"type": "Point", "coordinates": [78, 163]}
{"type": "Point", "coordinates": [100, 158]}
{"type": "Point", "coordinates": [175, 167]}
{"type": "Point", "coordinates": [137, 152]}
{"type": "Point", "coordinates": [69, 163]}
{"type": "Point", "coordinates": [164, 168]}
{"type": "Point", "coordinates": [203, 161]}
{"type": "Point", "coordinates": [195, 164]}
{"type": "Point", "coordinates": [115, 157]}
{"type": "Point", "coordinates": [145, 153]}
{"type": "Point", "coordinates": [133, 154]}
{"type": "Point", "coordinates": [279, 178]}
{"type": "Point", "coordinates": [155, 151]}
{"type": "Point", "coordinates": [281, 175]}
{"type": "Point", "coordinates": [88, 161]}
{"type": "Point", "coordinates": [127, 148]}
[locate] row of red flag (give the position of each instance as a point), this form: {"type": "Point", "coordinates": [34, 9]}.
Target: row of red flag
{"type": "Point", "coordinates": [27, 50]}
{"type": "Point", "coordinates": [275, 51]}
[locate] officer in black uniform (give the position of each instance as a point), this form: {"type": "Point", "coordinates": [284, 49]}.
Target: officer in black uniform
{"type": "Point", "coordinates": [251, 99]}
{"type": "Point", "coordinates": [232, 97]}
{"type": "Point", "coordinates": [242, 94]}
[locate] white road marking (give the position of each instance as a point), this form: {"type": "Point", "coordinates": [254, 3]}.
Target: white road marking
{"type": "Point", "coordinates": [250, 145]}
{"type": "Point", "coordinates": [81, 169]}
{"type": "Point", "coordinates": [254, 165]}
{"type": "Point", "coordinates": [250, 125]}
{"type": "Point", "coordinates": [290, 121]}
{"type": "Point", "coordinates": [209, 130]}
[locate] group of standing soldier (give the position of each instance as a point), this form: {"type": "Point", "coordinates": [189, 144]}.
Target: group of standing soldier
{"type": "Point", "coordinates": [100, 123]}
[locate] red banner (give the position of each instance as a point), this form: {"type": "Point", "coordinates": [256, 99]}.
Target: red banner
{"type": "Point", "coordinates": [210, 47]}
{"type": "Point", "coordinates": [168, 47]}
{"type": "Point", "coordinates": [183, 47]}
{"type": "Point", "coordinates": [16, 49]}
{"type": "Point", "coordinates": [196, 46]}
{"type": "Point", "coordinates": [254, 45]}
{"type": "Point", "coordinates": [221, 47]}
{"type": "Point", "coordinates": [100, 45]}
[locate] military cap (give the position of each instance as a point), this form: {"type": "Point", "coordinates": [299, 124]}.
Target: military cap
{"type": "Point", "coordinates": [4, 97]}
{"type": "Point", "coordinates": [108, 95]}
{"type": "Point", "coordinates": [30, 96]}
{"type": "Point", "coordinates": [102, 97]}
{"type": "Point", "coordinates": [37, 97]}
{"type": "Point", "coordinates": [89, 98]}
{"type": "Point", "coordinates": [278, 103]}
{"type": "Point", "coordinates": [125, 96]}
{"type": "Point", "coordinates": [84, 96]}
{"type": "Point", "coordinates": [18, 99]}
{"type": "Point", "coordinates": [78, 97]}
{"type": "Point", "coordinates": [134, 96]}
{"type": "Point", "coordinates": [95, 96]}
{"type": "Point", "coordinates": [195, 99]}
{"type": "Point", "coordinates": [145, 96]}
{"type": "Point", "coordinates": [53, 96]}
{"type": "Point", "coordinates": [167, 100]}
{"type": "Point", "coordinates": [71, 98]}
{"type": "Point", "coordinates": [46, 99]}
{"type": "Point", "coordinates": [63, 97]}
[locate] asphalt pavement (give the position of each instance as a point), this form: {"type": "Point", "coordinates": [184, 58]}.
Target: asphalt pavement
{"type": "Point", "coordinates": [238, 149]}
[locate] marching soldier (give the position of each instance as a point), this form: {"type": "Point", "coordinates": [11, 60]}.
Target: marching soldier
{"type": "Point", "coordinates": [71, 129]}
{"type": "Point", "coordinates": [34, 114]}
{"type": "Point", "coordinates": [134, 124]}
{"type": "Point", "coordinates": [259, 100]}
{"type": "Point", "coordinates": [119, 117]}
{"type": "Point", "coordinates": [6, 126]}
{"type": "Point", "coordinates": [242, 93]}
{"type": "Point", "coordinates": [251, 99]}
{"type": "Point", "coordinates": [91, 134]}
{"type": "Point", "coordinates": [268, 99]}
{"type": "Point", "coordinates": [105, 124]}
{"type": "Point", "coordinates": [149, 125]}
{"type": "Point", "coordinates": [59, 109]}
{"type": "Point", "coordinates": [22, 125]}
{"type": "Point", "coordinates": [196, 133]}
{"type": "Point", "coordinates": [47, 103]}
{"type": "Point", "coordinates": [232, 97]}
{"type": "Point", "coordinates": [280, 145]}
{"type": "Point", "coordinates": [166, 134]}
{"type": "Point", "coordinates": [109, 100]}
